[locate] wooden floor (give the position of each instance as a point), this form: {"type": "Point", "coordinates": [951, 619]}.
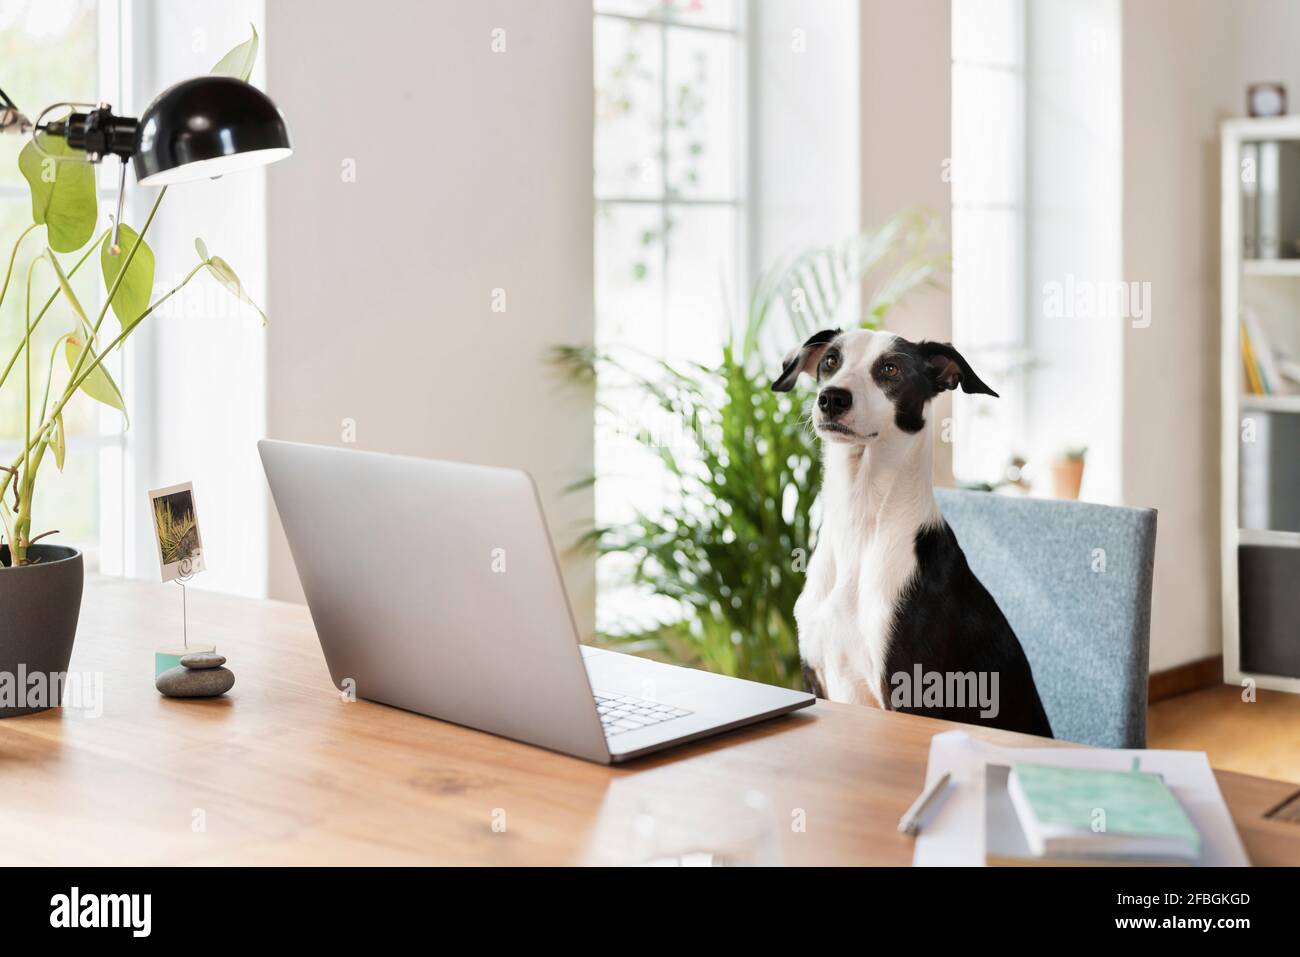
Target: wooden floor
{"type": "Point", "coordinates": [1260, 737]}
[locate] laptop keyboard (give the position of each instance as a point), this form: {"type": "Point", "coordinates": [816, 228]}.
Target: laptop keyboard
{"type": "Point", "coordinates": [622, 712]}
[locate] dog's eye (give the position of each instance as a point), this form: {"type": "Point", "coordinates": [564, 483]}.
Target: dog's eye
{"type": "Point", "coordinates": [889, 369]}
{"type": "Point", "coordinates": [831, 362]}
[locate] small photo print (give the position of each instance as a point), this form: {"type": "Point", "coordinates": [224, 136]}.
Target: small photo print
{"type": "Point", "coordinates": [176, 527]}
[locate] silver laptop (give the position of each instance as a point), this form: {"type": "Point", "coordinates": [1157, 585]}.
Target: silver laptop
{"type": "Point", "coordinates": [434, 587]}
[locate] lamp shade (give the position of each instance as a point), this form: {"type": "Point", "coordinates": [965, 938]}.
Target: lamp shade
{"type": "Point", "coordinates": [207, 127]}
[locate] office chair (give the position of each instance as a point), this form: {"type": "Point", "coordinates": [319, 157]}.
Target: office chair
{"type": "Point", "coordinates": [1074, 581]}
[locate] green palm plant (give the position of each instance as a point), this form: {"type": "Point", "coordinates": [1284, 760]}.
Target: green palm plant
{"type": "Point", "coordinates": [731, 548]}
{"type": "Point", "coordinates": [65, 203]}
{"type": "Point", "coordinates": [176, 533]}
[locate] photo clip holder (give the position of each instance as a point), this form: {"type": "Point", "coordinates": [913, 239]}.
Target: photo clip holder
{"type": "Point", "coordinates": [184, 574]}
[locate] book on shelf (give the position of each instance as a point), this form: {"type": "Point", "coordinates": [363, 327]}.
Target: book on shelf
{"type": "Point", "coordinates": [1267, 372]}
{"type": "Point", "coordinates": [1268, 216]}
{"type": "Point", "coordinates": [1250, 200]}
{"type": "Point", "coordinates": [1270, 474]}
{"type": "Point", "coordinates": [1253, 382]}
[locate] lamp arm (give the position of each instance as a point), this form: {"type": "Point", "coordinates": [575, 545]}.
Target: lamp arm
{"type": "Point", "coordinates": [113, 247]}
{"type": "Point", "coordinates": [11, 118]}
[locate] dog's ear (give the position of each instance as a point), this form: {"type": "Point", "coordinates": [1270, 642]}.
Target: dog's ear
{"type": "Point", "coordinates": [947, 369]}
{"type": "Point", "coordinates": [803, 359]}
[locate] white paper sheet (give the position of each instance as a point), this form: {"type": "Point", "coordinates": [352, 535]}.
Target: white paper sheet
{"type": "Point", "coordinates": [954, 837]}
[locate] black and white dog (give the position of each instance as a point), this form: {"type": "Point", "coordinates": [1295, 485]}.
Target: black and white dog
{"type": "Point", "coordinates": [889, 602]}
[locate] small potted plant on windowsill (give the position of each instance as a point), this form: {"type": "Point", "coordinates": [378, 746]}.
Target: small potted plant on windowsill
{"type": "Point", "coordinates": [41, 580]}
{"type": "Point", "coordinates": [1067, 473]}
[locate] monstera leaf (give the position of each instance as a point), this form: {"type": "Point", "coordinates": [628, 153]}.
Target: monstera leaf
{"type": "Point", "coordinates": [133, 294]}
{"type": "Point", "coordinates": [63, 192]}
{"type": "Point", "coordinates": [239, 61]}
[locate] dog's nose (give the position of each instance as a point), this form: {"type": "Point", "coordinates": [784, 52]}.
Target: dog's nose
{"type": "Point", "coordinates": [834, 402]}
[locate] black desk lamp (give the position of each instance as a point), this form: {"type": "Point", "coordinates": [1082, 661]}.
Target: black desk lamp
{"type": "Point", "coordinates": [200, 128]}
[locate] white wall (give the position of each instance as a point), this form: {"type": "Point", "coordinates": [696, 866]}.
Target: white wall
{"type": "Point", "coordinates": [473, 173]}
{"type": "Point", "coordinates": [1186, 65]}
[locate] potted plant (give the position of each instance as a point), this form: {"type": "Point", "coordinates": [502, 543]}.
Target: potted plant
{"type": "Point", "coordinates": [41, 580]}
{"type": "Point", "coordinates": [1067, 473]}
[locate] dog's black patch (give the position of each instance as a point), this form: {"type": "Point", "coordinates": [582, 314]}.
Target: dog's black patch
{"type": "Point", "coordinates": [910, 374]}
{"type": "Point", "coordinates": [947, 622]}
{"type": "Point", "coordinates": [810, 682]}
{"type": "Point", "coordinates": [901, 375]}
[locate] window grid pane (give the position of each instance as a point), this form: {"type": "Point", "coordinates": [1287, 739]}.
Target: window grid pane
{"type": "Point", "coordinates": [713, 14]}
{"type": "Point", "coordinates": [988, 32]}
{"type": "Point", "coordinates": [988, 137]}
{"type": "Point", "coordinates": [702, 139]}
{"type": "Point", "coordinates": [629, 119]}
{"type": "Point", "coordinates": [48, 50]}
{"type": "Point", "coordinates": [988, 194]}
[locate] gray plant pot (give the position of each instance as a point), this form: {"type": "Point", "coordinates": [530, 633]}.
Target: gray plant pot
{"type": "Point", "coordinates": [39, 606]}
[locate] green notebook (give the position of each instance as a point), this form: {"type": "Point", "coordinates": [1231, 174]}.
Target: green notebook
{"type": "Point", "coordinates": [1077, 812]}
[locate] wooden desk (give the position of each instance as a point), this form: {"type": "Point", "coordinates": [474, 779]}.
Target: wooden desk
{"type": "Point", "coordinates": [282, 771]}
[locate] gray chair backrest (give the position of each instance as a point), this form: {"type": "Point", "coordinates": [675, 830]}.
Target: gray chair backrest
{"type": "Point", "coordinates": [1074, 581]}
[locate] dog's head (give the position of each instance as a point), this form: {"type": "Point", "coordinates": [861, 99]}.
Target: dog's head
{"type": "Point", "coordinates": [873, 384]}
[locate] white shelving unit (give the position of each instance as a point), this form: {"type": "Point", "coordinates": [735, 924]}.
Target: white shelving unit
{"type": "Point", "coordinates": [1271, 267]}
{"type": "Point", "coordinates": [1271, 288]}
{"type": "Point", "coordinates": [1270, 403]}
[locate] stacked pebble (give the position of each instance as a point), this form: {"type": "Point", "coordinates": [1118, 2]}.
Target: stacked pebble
{"type": "Point", "coordinates": [198, 676]}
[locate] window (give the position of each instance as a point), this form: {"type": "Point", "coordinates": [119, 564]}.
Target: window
{"type": "Point", "coordinates": [670, 256]}
{"type": "Point", "coordinates": [988, 214]}
{"type": "Point", "coordinates": [52, 51]}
